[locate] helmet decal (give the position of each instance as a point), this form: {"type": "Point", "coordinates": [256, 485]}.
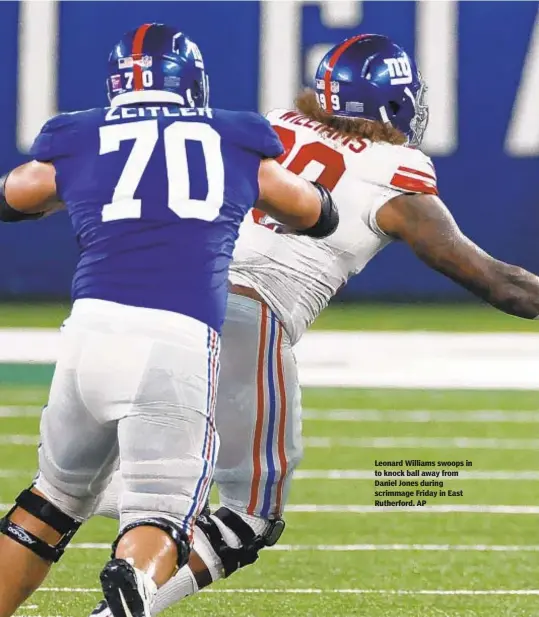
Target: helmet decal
{"type": "Point", "coordinates": [419, 122]}
{"type": "Point", "coordinates": [369, 76]}
{"type": "Point", "coordinates": [400, 71]}
{"type": "Point", "coordinates": [159, 58]}
{"type": "Point", "coordinates": [138, 41]}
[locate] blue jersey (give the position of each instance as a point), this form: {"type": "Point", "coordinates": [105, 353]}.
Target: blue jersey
{"type": "Point", "coordinates": [156, 194]}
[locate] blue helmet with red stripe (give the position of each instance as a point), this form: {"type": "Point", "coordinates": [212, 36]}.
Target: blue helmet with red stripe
{"type": "Point", "coordinates": [368, 76]}
{"type": "Point", "coordinates": [157, 63]}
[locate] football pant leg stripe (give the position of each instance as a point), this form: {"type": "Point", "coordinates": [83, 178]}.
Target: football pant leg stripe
{"type": "Point", "coordinates": [281, 436]}
{"type": "Point", "coordinates": [213, 440]}
{"type": "Point", "coordinates": [188, 525]}
{"type": "Point", "coordinates": [272, 416]}
{"type": "Point", "coordinates": [260, 408]}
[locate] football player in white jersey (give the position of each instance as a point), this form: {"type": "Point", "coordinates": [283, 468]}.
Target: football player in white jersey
{"type": "Point", "coordinates": [357, 134]}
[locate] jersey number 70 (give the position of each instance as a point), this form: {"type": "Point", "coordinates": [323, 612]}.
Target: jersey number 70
{"type": "Point", "coordinates": [146, 135]}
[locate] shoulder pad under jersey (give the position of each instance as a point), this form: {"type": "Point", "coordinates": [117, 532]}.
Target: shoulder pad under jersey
{"type": "Point", "coordinates": [249, 130]}
{"type": "Point", "coordinates": [57, 137]}
{"type": "Point", "coordinates": [403, 169]}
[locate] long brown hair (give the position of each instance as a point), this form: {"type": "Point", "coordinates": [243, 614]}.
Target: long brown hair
{"type": "Point", "coordinates": [356, 128]}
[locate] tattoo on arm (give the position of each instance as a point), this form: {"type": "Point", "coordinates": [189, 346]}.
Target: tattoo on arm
{"type": "Point", "coordinates": [426, 225]}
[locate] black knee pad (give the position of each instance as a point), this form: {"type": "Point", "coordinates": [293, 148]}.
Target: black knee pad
{"type": "Point", "coordinates": [50, 515]}
{"type": "Point", "coordinates": [179, 538]}
{"type": "Point", "coordinates": [251, 543]}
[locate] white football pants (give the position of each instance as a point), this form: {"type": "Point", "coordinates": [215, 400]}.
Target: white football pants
{"type": "Point", "coordinates": [258, 413]}
{"type": "Point", "coordinates": [137, 386]}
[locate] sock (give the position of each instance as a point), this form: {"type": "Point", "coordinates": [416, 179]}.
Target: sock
{"type": "Point", "coordinates": [108, 500]}
{"type": "Point", "coordinates": [174, 590]}
{"type": "Point", "coordinates": [184, 583]}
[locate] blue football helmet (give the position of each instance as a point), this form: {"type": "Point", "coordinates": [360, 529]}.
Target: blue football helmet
{"type": "Point", "coordinates": [368, 76]}
{"type": "Point", "coordinates": [155, 57]}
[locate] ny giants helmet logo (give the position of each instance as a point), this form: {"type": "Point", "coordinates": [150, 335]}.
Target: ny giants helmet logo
{"type": "Point", "coordinates": [400, 71]}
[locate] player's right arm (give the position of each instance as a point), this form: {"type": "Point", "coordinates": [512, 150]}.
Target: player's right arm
{"type": "Point", "coordinates": [301, 205]}
{"type": "Point", "coordinates": [426, 225]}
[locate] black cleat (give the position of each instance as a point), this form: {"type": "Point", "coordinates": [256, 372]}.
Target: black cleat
{"type": "Point", "coordinates": [128, 591]}
{"type": "Point", "coordinates": [101, 610]}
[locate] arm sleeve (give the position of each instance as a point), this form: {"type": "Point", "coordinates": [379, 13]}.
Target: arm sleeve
{"type": "Point", "coordinates": [55, 139]}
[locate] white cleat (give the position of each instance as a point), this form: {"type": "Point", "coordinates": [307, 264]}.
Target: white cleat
{"type": "Point", "coordinates": [128, 591]}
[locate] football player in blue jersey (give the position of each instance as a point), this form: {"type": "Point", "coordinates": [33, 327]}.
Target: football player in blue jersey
{"type": "Point", "coordinates": [156, 186]}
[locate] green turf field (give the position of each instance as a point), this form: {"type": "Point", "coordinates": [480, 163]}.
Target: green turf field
{"type": "Point", "coordinates": [458, 317]}
{"type": "Point", "coordinates": [338, 557]}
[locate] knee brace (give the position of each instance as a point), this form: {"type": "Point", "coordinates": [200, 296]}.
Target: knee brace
{"type": "Point", "coordinates": [179, 538]}
{"type": "Point", "coordinates": [49, 514]}
{"type": "Point", "coordinates": [251, 543]}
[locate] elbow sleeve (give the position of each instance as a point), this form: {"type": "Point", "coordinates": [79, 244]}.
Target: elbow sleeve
{"type": "Point", "coordinates": [329, 215]}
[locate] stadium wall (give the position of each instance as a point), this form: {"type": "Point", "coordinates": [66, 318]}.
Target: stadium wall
{"type": "Point", "coordinates": [481, 61]}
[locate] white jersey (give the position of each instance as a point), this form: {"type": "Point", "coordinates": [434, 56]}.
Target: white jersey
{"type": "Point", "coordinates": [296, 275]}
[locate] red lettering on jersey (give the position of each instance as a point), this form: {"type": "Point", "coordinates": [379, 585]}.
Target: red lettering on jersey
{"type": "Point", "coordinates": [358, 146]}
{"type": "Point", "coordinates": [259, 218]}
{"type": "Point", "coordinates": [333, 162]}
{"type": "Point", "coordinates": [288, 139]}
{"type": "Point", "coordinates": [288, 115]}
{"type": "Point", "coordinates": [258, 215]}
{"type": "Point", "coordinates": [301, 120]}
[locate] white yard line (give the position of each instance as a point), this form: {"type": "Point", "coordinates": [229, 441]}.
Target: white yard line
{"type": "Point", "coordinates": [389, 592]}
{"type": "Point", "coordinates": [20, 412]}
{"type": "Point", "coordinates": [367, 474]}
{"type": "Point", "coordinates": [352, 474]}
{"type": "Point", "coordinates": [434, 509]}
{"type": "Point", "coordinates": [435, 443]}
{"type": "Point", "coordinates": [308, 591]}
{"type": "Point", "coordinates": [395, 360]}
{"type": "Point", "coordinates": [70, 590]}
{"type": "Point", "coordinates": [17, 473]}
{"type": "Point", "coordinates": [474, 443]}
{"type": "Point", "coordinates": [365, 415]}
{"type": "Point", "coordinates": [19, 440]}
{"type": "Point", "coordinates": [419, 360]}
{"type": "Point", "coordinates": [360, 548]}
{"type": "Point", "coordinates": [364, 509]}
{"type": "Point", "coordinates": [421, 415]}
